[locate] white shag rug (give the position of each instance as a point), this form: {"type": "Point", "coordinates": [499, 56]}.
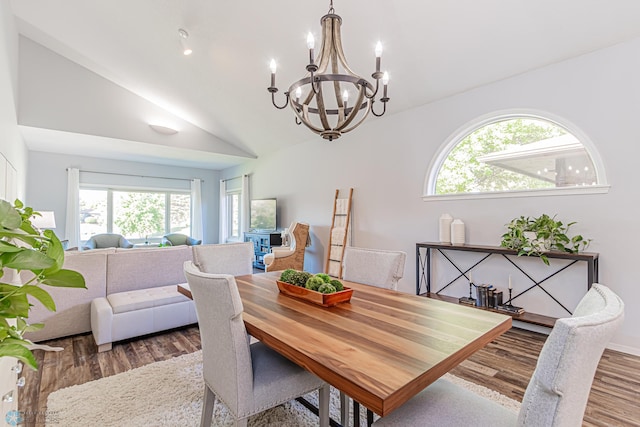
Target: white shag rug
{"type": "Point", "coordinates": [169, 394]}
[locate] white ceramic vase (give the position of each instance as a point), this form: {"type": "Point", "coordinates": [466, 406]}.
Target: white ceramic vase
{"type": "Point", "coordinates": [457, 232]}
{"type": "Point", "coordinates": [445, 228]}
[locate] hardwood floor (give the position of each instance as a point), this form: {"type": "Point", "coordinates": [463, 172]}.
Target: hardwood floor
{"type": "Point", "coordinates": [504, 365]}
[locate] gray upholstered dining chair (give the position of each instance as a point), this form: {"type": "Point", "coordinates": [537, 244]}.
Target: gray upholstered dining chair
{"type": "Point", "coordinates": [375, 267]}
{"type": "Point", "coordinates": [226, 258]}
{"type": "Point", "coordinates": [559, 388]}
{"type": "Point", "coordinates": [107, 240]}
{"type": "Point", "coordinates": [248, 379]}
{"type": "Point", "coordinates": [178, 239]}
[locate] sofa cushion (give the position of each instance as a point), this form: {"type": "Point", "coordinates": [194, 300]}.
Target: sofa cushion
{"type": "Point", "coordinates": [140, 299]}
{"type": "Point", "coordinates": [141, 269]}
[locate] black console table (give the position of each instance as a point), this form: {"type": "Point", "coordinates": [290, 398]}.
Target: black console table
{"type": "Point", "coordinates": [423, 271]}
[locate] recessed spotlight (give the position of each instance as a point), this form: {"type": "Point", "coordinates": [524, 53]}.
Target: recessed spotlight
{"type": "Point", "coordinates": [184, 35]}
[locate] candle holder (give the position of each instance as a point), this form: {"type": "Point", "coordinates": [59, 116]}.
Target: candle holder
{"type": "Point", "coordinates": [468, 300]}
{"type": "Point", "coordinates": [510, 308]}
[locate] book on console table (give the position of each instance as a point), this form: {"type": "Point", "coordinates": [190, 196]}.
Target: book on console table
{"type": "Point", "coordinates": [510, 309]}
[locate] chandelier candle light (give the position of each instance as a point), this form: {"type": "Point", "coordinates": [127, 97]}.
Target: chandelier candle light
{"type": "Point", "coordinates": [320, 99]}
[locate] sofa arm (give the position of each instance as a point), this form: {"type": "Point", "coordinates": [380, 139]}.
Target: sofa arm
{"type": "Point", "coordinates": [101, 321]}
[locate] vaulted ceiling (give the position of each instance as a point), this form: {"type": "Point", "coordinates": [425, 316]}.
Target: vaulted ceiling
{"type": "Point", "coordinates": [114, 66]}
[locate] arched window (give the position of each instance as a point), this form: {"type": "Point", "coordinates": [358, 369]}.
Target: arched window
{"type": "Point", "coordinates": [506, 154]}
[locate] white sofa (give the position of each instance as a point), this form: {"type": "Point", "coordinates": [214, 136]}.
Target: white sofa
{"type": "Point", "coordinates": [131, 292]}
{"type": "Point", "coordinates": [142, 295]}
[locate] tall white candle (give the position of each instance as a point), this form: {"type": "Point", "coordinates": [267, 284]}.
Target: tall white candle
{"type": "Point", "coordinates": [509, 281]}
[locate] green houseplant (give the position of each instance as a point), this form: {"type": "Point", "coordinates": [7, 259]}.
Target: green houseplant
{"type": "Point", "coordinates": [25, 248]}
{"type": "Point", "coordinates": [534, 236]}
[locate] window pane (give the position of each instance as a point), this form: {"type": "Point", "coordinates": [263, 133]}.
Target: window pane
{"type": "Point", "coordinates": [180, 214]}
{"type": "Point", "coordinates": [93, 213]}
{"type": "Point", "coordinates": [234, 206]}
{"type": "Point", "coordinates": [516, 154]}
{"type": "Point", "coordinates": [138, 215]}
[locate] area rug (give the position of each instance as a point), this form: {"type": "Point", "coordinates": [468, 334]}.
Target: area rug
{"type": "Point", "coordinates": [169, 393]}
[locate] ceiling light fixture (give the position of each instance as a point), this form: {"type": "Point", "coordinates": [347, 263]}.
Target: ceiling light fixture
{"type": "Point", "coordinates": [320, 98]}
{"type": "Point", "coordinates": [186, 50]}
{"type": "Point", "coordinates": [165, 130]}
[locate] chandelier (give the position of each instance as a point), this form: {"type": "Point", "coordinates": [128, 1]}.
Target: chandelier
{"type": "Point", "coordinates": [320, 98]}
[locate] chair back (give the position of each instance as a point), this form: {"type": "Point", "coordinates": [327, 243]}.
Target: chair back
{"type": "Point", "coordinates": [107, 240]}
{"type": "Point", "coordinates": [299, 233]}
{"type": "Point", "coordinates": [226, 357]}
{"type": "Point", "coordinates": [559, 388]}
{"type": "Point", "coordinates": [225, 258]}
{"type": "Point", "coordinates": [178, 239]}
{"type": "Point", "coordinates": [373, 266]}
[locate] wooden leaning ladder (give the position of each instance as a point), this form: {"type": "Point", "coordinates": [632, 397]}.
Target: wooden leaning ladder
{"type": "Point", "coordinates": [338, 234]}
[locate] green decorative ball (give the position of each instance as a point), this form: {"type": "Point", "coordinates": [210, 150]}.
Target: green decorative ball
{"type": "Point", "coordinates": [327, 288]}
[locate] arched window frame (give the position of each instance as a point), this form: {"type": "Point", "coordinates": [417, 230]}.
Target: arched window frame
{"type": "Point", "coordinates": [429, 192]}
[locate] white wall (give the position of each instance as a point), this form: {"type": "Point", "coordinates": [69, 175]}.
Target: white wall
{"type": "Point", "coordinates": [47, 184]}
{"type": "Point", "coordinates": [11, 143]}
{"type": "Point", "coordinates": [386, 162]}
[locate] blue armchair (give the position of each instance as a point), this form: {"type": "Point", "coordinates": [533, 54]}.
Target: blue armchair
{"type": "Point", "coordinates": [107, 240]}
{"type": "Point", "coordinates": [177, 239]}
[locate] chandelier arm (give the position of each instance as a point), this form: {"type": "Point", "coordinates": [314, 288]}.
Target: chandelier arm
{"type": "Point", "coordinates": [375, 92]}
{"type": "Point", "coordinates": [273, 100]}
{"type": "Point", "coordinates": [302, 116]}
{"type": "Point", "coordinates": [314, 87]}
{"type": "Point", "coordinates": [359, 121]}
{"type": "Point", "coordinates": [322, 112]}
{"type": "Point", "coordinates": [384, 109]}
{"type": "Point", "coordinates": [354, 111]}
{"type": "Point", "coordinates": [324, 56]}
{"type": "Point", "coordinates": [337, 47]}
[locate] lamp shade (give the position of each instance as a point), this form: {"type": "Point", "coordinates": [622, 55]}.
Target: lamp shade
{"type": "Point", "coordinates": [46, 220]}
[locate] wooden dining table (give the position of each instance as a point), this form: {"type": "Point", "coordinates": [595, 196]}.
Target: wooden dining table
{"type": "Point", "coordinates": [381, 348]}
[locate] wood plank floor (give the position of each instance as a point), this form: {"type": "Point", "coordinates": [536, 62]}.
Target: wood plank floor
{"type": "Point", "coordinates": [504, 365]}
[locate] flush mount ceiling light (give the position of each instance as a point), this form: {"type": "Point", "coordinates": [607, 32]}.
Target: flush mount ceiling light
{"type": "Point", "coordinates": [186, 50]}
{"type": "Point", "coordinates": [163, 129]}
{"type": "Point", "coordinates": [320, 99]}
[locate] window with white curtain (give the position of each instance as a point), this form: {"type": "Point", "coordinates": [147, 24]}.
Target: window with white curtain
{"type": "Point", "coordinates": [139, 215]}
{"type": "Point", "coordinates": [233, 209]}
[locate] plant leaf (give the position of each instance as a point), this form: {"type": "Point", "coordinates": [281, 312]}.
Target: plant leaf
{"type": "Point", "coordinates": [27, 259]}
{"type": "Point", "coordinates": [41, 295]}
{"type": "Point", "coordinates": [19, 351]}
{"type": "Point", "coordinates": [9, 217]}
{"type": "Point", "coordinates": [54, 251]}
{"type": "Point", "coordinates": [65, 279]}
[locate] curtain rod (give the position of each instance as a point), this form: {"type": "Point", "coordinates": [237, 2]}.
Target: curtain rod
{"type": "Point", "coordinates": [139, 176]}
{"type": "Point", "coordinates": [235, 177]}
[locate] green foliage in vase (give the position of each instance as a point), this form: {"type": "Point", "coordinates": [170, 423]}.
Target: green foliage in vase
{"type": "Point", "coordinates": [25, 248]}
{"type": "Point", "coordinates": [550, 234]}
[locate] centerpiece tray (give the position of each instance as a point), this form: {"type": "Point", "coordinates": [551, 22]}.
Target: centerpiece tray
{"type": "Point", "coordinates": [326, 300]}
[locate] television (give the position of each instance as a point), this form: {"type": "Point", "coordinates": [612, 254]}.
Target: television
{"type": "Point", "coordinates": [263, 215]}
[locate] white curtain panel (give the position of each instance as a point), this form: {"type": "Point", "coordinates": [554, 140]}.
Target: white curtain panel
{"type": "Point", "coordinates": [223, 212]}
{"type": "Point", "coordinates": [196, 209]}
{"type": "Point", "coordinates": [244, 206]}
{"type": "Point", "coordinates": [72, 227]}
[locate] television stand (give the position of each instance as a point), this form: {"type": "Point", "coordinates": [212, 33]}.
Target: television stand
{"type": "Point", "coordinates": [262, 241]}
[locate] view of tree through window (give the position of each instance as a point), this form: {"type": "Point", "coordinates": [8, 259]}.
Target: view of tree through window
{"type": "Point", "coordinates": [137, 215]}
{"type": "Point", "coordinates": [519, 153]}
